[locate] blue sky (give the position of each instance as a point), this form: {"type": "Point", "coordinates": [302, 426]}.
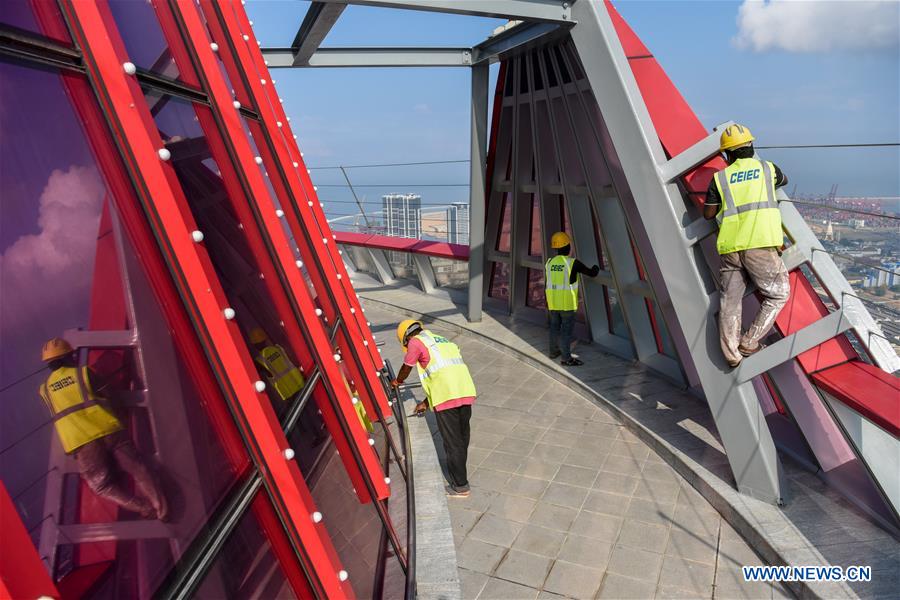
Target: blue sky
{"type": "Point", "coordinates": [801, 73]}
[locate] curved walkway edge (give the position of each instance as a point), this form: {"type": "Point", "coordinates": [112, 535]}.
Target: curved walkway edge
{"type": "Point", "coordinates": [766, 528]}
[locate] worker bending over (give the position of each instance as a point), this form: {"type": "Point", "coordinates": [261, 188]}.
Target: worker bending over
{"type": "Point", "coordinates": [741, 198]}
{"type": "Point", "coordinates": [561, 286]}
{"type": "Point", "coordinates": [449, 390]}
{"type": "Point", "coordinates": [95, 437]}
{"type": "Point", "coordinates": [273, 363]}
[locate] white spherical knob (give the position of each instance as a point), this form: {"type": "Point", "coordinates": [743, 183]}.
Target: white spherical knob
{"type": "Point", "coordinates": [352, 311]}
{"type": "Point", "coordinates": [299, 264]}
{"type": "Point", "coordinates": [354, 400]}
{"type": "Point", "coordinates": [229, 313]}
{"type": "Point", "coordinates": [342, 575]}
{"type": "Point", "coordinates": [339, 276]}
{"type": "Point", "coordinates": [317, 517]}
{"type": "Point", "coordinates": [129, 68]}
{"type": "Point", "coordinates": [279, 123]}
{"type": "Point", "coordinates": [197, 236]}
{"type": "Point", "coordinates": [309, 203]}
{"type": "Point", "coordinates": [164, 154]}
{"type": "Point", "coordinates": [365, 342]}
{"type": "Point", "coordinates": [279, 213]}
{"type": "Point", "coordinates": [318, 312]}
{"type": "Point", "coordinates": [214, 47]}
{"type": "Point", "coordinates": [260, 386]}
{"type": "Point", "coordinates": [337, 357]}
{"type": "Point", "coordinates": [288, 453]}
{"type": "Point", "coordinates": [296, 164]}
{"type": "Point", "coordinates": [262, 81]}
{"type": "Point", "coordinates": [236, 104]}
{"type": "Point", "coordinates": [371, 441]}
{"type": "Point", "coordinates": [387, 480]}
{"type": "Point", "coordinates": [246, 37]}
{"type": "Point", "coordinates": [258, 160]}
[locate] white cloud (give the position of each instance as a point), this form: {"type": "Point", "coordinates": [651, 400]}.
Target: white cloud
{"type": "Point", "coordinates": [817, 25]}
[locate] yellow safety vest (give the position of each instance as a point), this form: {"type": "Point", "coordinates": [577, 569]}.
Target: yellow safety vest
{"type": "Point", "coordinates": [77, 416]}
{"type": "Point", "coordinates": [748, 216]}
{"type": "Point", "coordinates": [561, 295]}
{"type": "Point", "coordinates": [284, 376]}
{"type": "Point", "coordinates": [446, 377]}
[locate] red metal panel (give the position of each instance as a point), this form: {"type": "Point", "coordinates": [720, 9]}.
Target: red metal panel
{"type": "Point", "coordinates": [383, 242]}
{"type": "Point", "coordinates": [22, 573]}
{"type": "Point", "coordinates": [805, 308]}
{"type": "Point", "coordinates": [866, 389]}
{"type": "Point", "coordinates": [166, 207]}
{"type": "Point", "coordinates": [304, 213]}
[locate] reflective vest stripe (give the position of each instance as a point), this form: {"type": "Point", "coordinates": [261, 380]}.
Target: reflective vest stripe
{"type": "Point", "coordinates": [444, 362]}
{"type": "Point", "coordinates": [72, 409]}
{"type": "Point", "coordinates": [728, 197]}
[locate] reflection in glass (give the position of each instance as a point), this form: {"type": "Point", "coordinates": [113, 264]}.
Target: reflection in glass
{"type": "Point", "coordinates": [143, 37]}
{"type": "Point", "coordinates": [499, 281]}
{"type": "Point", "coordinates": [535, 243]}
{"type": "Point", "coordinates": [450, 273]}
{"type": "Point", "coordinates": [153, 450]}
{"type": "Point", "coordinates": [616, 318]}
{"type": "Point", "coordinates": [503, 238]}
{"type": "Point", "coordinates": [536, 297]}
{"type": "Point", "coordinates": [20, 14]}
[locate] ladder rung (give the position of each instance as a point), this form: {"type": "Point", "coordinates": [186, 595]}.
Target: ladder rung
{"type": "Point", "coordinates": [84, 533]}
{"type": "Point", "coordinates": [793, 345]}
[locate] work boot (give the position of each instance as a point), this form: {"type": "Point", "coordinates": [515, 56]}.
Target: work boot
{"type": "Point", "coordinates": [571, 362]}
{"type": "Point", "coordinates": [457, 492]}
{"type": "Point", "coordinates": [745, 351]}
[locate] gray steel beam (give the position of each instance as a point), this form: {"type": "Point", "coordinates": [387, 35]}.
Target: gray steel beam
{"type": "Point", "coordinates": [280, 58]}
{"type": "Point", "coordinates": [525, 10]}
{"type": "Point", "coordinates": [477, 185]}
{"type": "Point", "coordinates": [381, 265]}
{"type": "Point", "coordinates": [793, 345]}
{"type": "Point", "coordinates": [425, 273]}
{"type": "Point", "coordinates": [694, 156]}
{"type": "Point", "coordinates": [656, 212]}
{"type": "Point", "coordinates": [516, 40]}
{"type": "Point", "coordinates": [319, 20]}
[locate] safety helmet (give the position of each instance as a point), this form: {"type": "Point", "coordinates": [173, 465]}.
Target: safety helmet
{"type": "Point", "coordinates": [560, 239]}
{"type": "Point", "coordinates": [55, 348]}
{"type": "Point", "coordinates": [404, 327]}
{"type": "Point", "coordinates": [257, 335]}
{"type": "Point", "coordinates": [735, 136]}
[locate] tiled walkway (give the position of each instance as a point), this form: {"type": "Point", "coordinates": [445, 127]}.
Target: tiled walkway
{"type": "Point", "coordinates": [567, 502]}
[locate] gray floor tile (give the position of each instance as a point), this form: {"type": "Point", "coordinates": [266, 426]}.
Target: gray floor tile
{"type": "Point", "coordinates": [529, 487]}
{"type": "Point", "coordinates": [564, 494]}
{"type": "Point", "coordinates": [553, 516]}
{"type": "Point", "coordinates": [514, 508]}
{"type": "Point", "coordinates": [693, 546]}
{"type": "Point", "coordinates": [559, 437]}
{"type": "Point", "coordinates": [499, 589]}
{"type": "Point", "coordinates": [527, 432]}
{"type": "Point", "coordinates": [525, 568]}
{"type": "Point", "coordinates": [550, 453]}
{"type": "Point", "coordinates": [462, 521]}
{"type": "Point", "coordinates": [488, 479]}
{"type": "Point", "coordinates": [668, 592]}
{"type": "Point", "coordinates": [495, 530]}
{"type": "Point", "coordinates": [485, 440]}
{"type": "Point", "coordinates": [659, 491]}
{"type": "Point", "coordinates": [660, 470]}
{"type": "Point", "coordinates": [471, 583]}
{"type": "Point", "coordinates": [616, 587]}
{"type": "Point", "coordinates": [596, 525]}
{"type": "Point", "coordinates": [615, 483]}
{"type": "Point", "coordinates": [687, 575]}
{"type": "Point", "coordinates": [516, 446]}
{"type": "Point", "coordinates": [622, 464]}
{"type": "Point", "coordinates": [575, 581]}
{"type": "Point", "coordinates": [538, 468]}
{"type": "Point", "coordinates": [643, 536]}
{"type": "Point", "coordinates": [634, 563]}
{"type": "Point", "coordinates": [604, 502]}
{"type": "Point", "coordinates": [591, 459]}
{"type": "Point", "coordinates": [572, 475]}
{"type": "Point", "coordinates": [636, 450]}
{"type": "Point", "coordinates": [502, 461]}
{"type": "Point", "coordinates": [585, 551]}
{"type": "Point", "coordinates": [650, 512]}
{"type": "Point", "coordinates": [479, 556]}
{"type": "Point", "coordinates": [545, 595]}
{"type": "Point", "coordinates": [539, 540]}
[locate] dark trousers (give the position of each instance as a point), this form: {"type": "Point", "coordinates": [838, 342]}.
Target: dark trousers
{"type": "Point", "coordinates": [453, 424]}
{"type": "Point", "coordinates": [562, 324]}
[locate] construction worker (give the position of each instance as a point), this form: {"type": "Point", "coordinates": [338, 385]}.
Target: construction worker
{"type": "Point", "coordinates": [561, 286]}
{"type": "Point", "coordinates": [95, 437]}
{"type": "Point", "coordinates": [273, 364]}
{"type": "Point", "coordinates": [449, 391]}
{"type": "Point", "coordinates": [741, 198]}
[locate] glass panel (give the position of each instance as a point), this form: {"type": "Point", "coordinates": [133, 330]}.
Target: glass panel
{"type": "Point", "coordinates": [616, 318]}
{"type": "Point", "coordinates": [20, 14]}
{"type": "Point", "coordinates": [450, 273]}
{"type": "Point", "coordinates": [535, 245]}
{"type": "Point", "coordinates": [503, 238]}
{"type": "Point", "coordinates": [143, 37]}
{"type": "Point", "coordinates": [663, 338]}
{"type": "Point", "coordinates": [499, 281]}
{"type": "Point", "coordinates": [224, 240]}
{"type": "Point", "coordinates": [153, 445]}
{"type": "Point", "coordinates": [246, 566]}
{"type": "Point", "coordinates": [536, 297]}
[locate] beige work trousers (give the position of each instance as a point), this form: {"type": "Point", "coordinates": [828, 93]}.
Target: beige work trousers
{"type": "Point", "coordinates": [763, 267]}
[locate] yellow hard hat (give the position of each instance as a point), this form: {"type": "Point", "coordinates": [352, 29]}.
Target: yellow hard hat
{"type": "Point", "coordinates": [257, 335]}
{"type": "Point", "coordinates": [403, 327]}
{"type": "Point", "coordinates": [736, 136]}
{"type": "Point", "coordinates": [55, 348]}
{"type": "Point", "coordinates": [560, 239]}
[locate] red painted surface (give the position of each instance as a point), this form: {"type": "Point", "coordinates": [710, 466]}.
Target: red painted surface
{"type": "Point", "coordinates": [678, 129]}
{"type": "Point", "coordinates": [383, 242]}
{"type": "Point", "coordinates": [22, 573]}
{"type": "Point", "coordinates": [866, 389]}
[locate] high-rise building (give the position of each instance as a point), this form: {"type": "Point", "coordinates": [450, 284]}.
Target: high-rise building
{"type": "Point", "coordinates": [401, 214]}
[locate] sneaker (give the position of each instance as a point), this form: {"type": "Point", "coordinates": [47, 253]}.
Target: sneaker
{"type": "Point", "coordinates": [748, 351]}
{"type": "Point", "coordinates": [733, 363]}
{"type": "Point", "coordinates": [572, 362]}
{"type": "Point", "coordinates": [555, 354]}
{"type": "Point", "coordinates": [457, 492]}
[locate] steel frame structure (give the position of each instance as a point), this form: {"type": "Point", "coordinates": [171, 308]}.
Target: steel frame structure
{"type": "Point", "coordinates": [546, 144]}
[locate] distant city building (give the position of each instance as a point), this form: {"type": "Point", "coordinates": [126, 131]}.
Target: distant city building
{"type": "Point", "coordinates": [401, 215]}
{"type": "Point", "coordinates": [446, 223]}
{"type": "Point", "coordinates": [889, 277]}
{"type": "Point", "coordinates": [857, 223]}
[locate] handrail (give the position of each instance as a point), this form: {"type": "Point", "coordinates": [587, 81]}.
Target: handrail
{"type": "Point", "coordinates": [396, 244]}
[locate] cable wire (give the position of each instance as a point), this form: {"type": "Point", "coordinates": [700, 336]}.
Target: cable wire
{"type": "Point", "coordinates": [406, 164]}
{"type": "Point", "coordinates": [847, 210]}
{"type": "Point", "coordinates": [875, 145]}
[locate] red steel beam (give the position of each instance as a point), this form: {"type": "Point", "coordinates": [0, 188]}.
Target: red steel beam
{"type": "Point", "coordinates": [413, 246]}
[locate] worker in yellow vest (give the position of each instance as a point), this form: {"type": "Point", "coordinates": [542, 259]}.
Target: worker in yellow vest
{"type": "Point", "coordinates": [741, 198]}
{"type": "Point", "coordinates": [561, 287]}
{"type": "Point", "coordinates": [95, 437]}
{"type": "Point", "coordinates": [449, 390]}
{"type": "Point", "coordinates": [274, 364]}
